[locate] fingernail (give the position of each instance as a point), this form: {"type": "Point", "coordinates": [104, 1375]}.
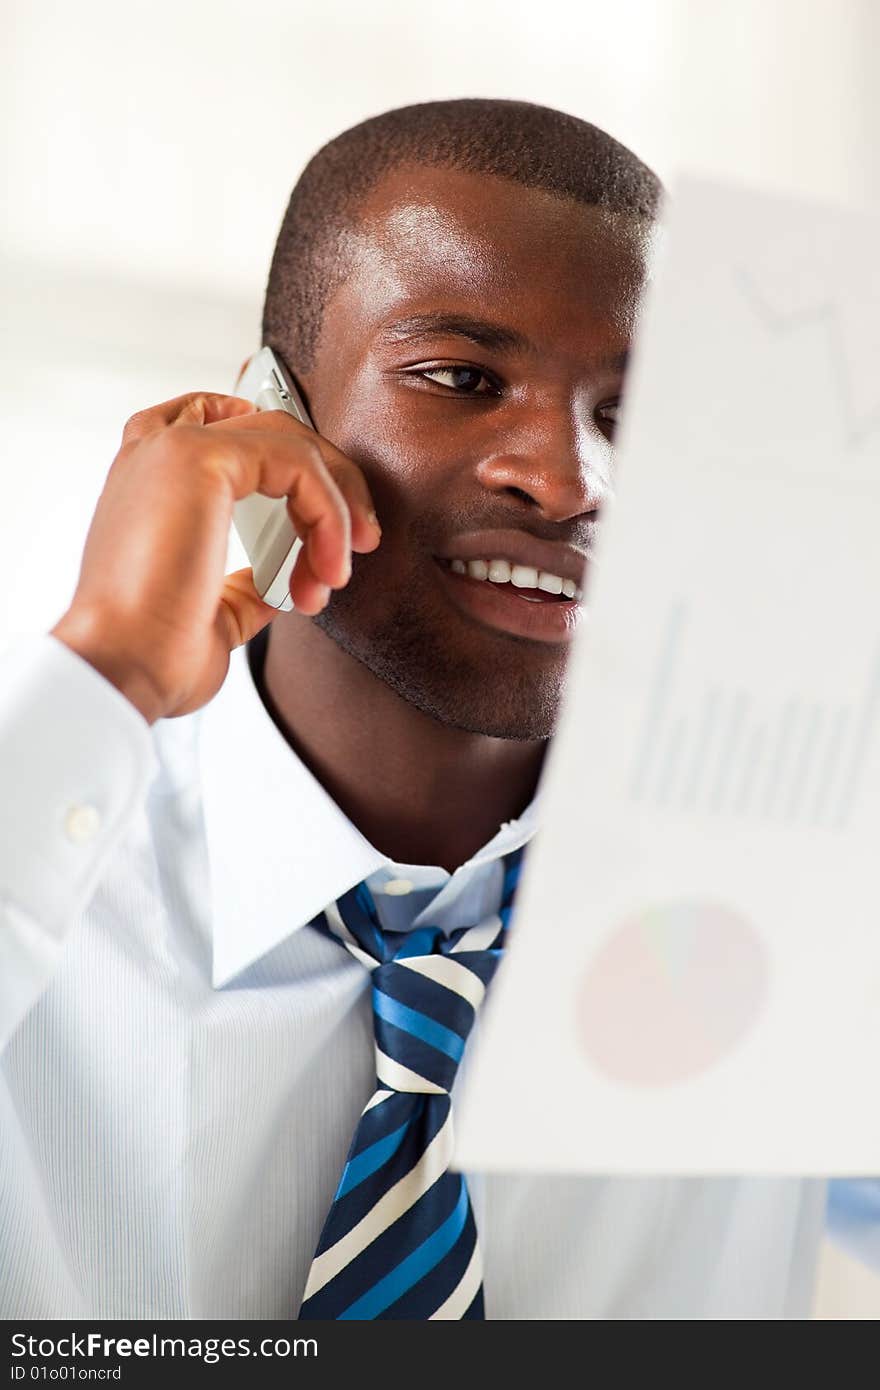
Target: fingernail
{"type": "Point", "coordinates": [374, 521]}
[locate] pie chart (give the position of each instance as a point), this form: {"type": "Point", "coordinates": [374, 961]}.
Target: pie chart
{"type": "Point", "coordinates": [673, 990]}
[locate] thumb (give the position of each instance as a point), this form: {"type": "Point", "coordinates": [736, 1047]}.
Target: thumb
{"type": "Point", "coordinates": [241, 613]}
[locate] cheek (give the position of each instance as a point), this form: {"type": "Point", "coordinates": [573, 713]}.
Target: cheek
{"type": "Point", "coordinates": [407, 450]}
{"type": "Point", "coordinates": [389, 582]}
{"type": "Point", "coordinates": [416, 454]}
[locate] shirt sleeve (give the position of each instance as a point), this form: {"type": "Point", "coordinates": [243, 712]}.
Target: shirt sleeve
{"type": "Point", "coordinates": [76, 760]}
{"type": "Point", "coordinates": [854, 1218]}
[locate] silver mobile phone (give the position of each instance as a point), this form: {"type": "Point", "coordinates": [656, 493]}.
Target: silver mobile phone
{"type": "Point", "coordinates": [262, 523]}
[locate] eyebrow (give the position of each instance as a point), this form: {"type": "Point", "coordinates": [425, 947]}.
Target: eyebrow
{"type": "Point", "coordinates": [489, 335]}
{"type": "Point", "coordinates": [494, 336]}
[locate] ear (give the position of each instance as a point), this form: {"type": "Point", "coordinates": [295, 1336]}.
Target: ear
{"type": "Point", "coordinates": [243, 368]}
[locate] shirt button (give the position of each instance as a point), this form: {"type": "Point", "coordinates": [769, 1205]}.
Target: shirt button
{"type": "Point", "coordinates": [81, 824]}
{"type": "Point", "coordinates": [398, 886]}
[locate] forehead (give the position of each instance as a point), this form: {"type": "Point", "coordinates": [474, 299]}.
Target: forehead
{"type": "Point", "coordinates": [426, 236]}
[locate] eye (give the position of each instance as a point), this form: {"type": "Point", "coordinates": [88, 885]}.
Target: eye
{"type": "Point", "coordinates": [609, 413]}
{"type": "Point", "coordinates": [608, 417]}
{"type": "Point", "coordinates": [463, 379]}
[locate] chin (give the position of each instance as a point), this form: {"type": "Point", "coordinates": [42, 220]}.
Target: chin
{"type": "Point", "coordinates": [524, 706]}
{"type": "Point", "coordinates": [468, 710]}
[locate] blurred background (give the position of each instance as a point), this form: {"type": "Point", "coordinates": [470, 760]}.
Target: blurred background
{"type": "Point", "coordinates": [150, 148]}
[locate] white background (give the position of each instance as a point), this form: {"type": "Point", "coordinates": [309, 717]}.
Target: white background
{"type": "Point", "coordinates": [150, 149]}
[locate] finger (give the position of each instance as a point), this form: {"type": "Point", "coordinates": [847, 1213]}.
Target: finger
{"type": "Point", "coordinates": [269, 420]}
{"type": "Point", "coordinates": [255, 462]}
{"type": "Point", "coordinates": [348, 475]}
{"type": "Point", "coordinates": [319, 514]}
{"type": "Point", "coordinates": [365, 529]}
{"type": "Point", "coordinates": [317, 509]}
{"type": "Point", "coordinates": [241, 613]}
{"type": "Point", "coordinates": [195, 408]}
{"type": "Point", "coordinates": [309, 593]}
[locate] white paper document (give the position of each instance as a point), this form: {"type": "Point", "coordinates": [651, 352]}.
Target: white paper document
{"type": "Point", "coordinates": [693, 979]}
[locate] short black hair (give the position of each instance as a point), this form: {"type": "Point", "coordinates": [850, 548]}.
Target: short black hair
{"type": "Point", "coordinates": [532, 145]}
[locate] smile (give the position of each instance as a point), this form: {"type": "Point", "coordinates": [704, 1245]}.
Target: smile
{"type": "Point", "coordinates": [520, 576]}
{"type": "Point", "coordinates": [517, 599]}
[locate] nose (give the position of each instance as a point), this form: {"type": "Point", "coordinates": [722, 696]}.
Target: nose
{"type": "Point", "coordinates": [557, 459]}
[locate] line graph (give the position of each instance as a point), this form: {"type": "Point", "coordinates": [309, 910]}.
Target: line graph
{"type": "Point", "coordinates": [830, 316]}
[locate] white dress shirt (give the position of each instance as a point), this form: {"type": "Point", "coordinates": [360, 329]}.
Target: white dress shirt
{"type": "Point", "coordinates": [184, 1061]}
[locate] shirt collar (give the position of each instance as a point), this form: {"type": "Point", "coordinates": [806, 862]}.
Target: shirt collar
{"type": "Point", "coordinates": [279, 847]}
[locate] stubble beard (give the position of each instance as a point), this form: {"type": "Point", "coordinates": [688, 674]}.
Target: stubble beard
{"type": "Point", "coordinates": [501, 699]}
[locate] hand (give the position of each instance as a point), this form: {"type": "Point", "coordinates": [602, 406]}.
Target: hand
{"type": "Point", "coordinates": [153, 610]}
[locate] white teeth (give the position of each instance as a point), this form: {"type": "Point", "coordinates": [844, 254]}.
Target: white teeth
{"type": "Point", "coordinates": [524, 577]}
{"type": "Point", "coordinates": [521, 576]}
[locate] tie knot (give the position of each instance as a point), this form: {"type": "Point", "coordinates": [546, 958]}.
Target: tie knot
{"type": "Point", "coordinates": [423, 1010]}
{"type": "Point", "coordinates": [427, 985]}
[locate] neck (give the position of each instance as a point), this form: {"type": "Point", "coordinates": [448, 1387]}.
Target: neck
{"type": "Point", "coordinates": [420, 791]}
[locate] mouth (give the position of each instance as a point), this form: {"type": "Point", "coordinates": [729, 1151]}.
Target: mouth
{"type": "Point", "coordinates": [513, 599]}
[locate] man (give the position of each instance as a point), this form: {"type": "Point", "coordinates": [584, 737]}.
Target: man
{"type": "Point", "coordinates": [193, 907]}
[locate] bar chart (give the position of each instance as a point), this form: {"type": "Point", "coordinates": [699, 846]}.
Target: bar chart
{"type": "Point", "coordinates": [727, 751]}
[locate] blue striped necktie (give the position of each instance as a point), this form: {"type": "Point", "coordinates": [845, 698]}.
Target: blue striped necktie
{"type": "Point", "coordinates": [400, 1239]}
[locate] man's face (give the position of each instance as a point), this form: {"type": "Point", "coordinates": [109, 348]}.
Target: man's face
{"type": "Point", "coordinates": [471, 364]}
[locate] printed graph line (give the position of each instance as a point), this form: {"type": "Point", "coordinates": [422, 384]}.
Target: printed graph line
{"type": "Point", "coordinates": [777, 763]}
{"type": "Point", "coordinates": [714, 751]}
{"type": "Point", "coordinates": [866, 720]}
{"type": "Point", "coordinates": [815, 719]}
{"type": "Point", "coordinates": [703, 745]}
{"type": "Point", "coordinates": [830, 761]}
{"type": "Point", "coordinates": [750, 767]}
{"type": "Point", "coordinates": [672, 760]}
{"type": "Point", "coordinates": [736, 727]}
{"type": "Point", "coordinates": [657, 708]}
{"type": "Point", "coordinates": [827, 316]}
